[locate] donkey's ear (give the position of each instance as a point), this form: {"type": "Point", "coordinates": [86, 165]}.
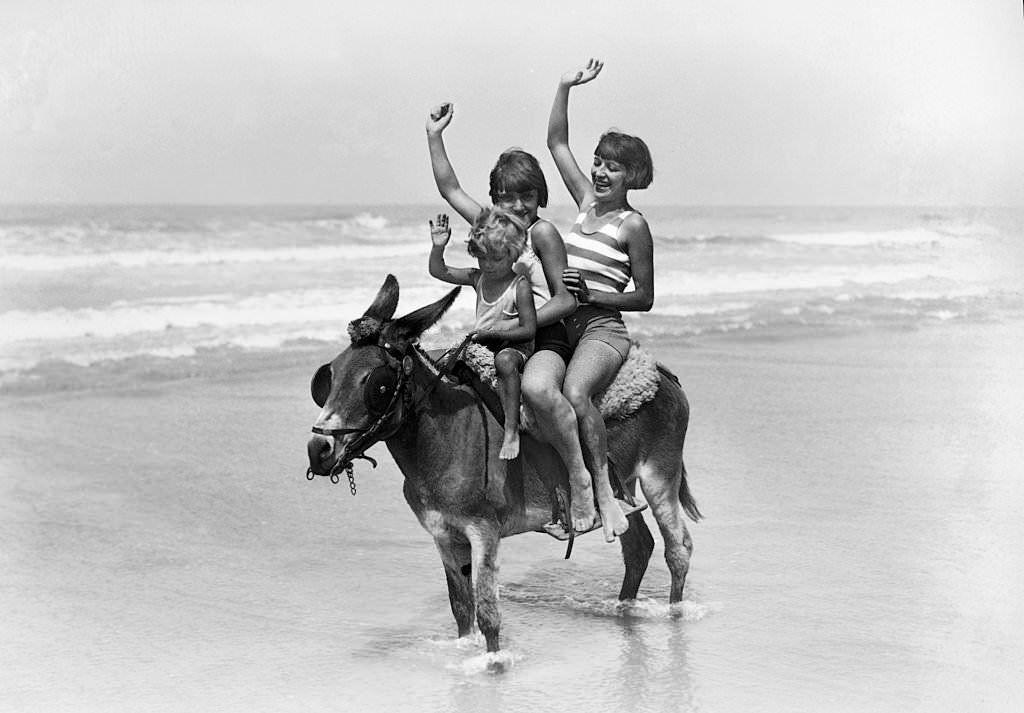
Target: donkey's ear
{"type": "Point", "coordinates": [405, 329]}
{"type": "Point", "coordinates": [386, 301]}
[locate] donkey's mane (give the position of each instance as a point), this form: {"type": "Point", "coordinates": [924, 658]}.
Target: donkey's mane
{"type": "Point", "coordinates": [426, 359]}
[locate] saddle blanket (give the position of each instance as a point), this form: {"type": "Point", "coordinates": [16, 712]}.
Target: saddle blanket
{"type": "Point", "coordinates": [634, 385]}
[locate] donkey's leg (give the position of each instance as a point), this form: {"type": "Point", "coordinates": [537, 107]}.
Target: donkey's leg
{"type": "Point", "coordinates": [456, 557]}
{"type": "Point", "coordinates": [484, 538]}
{"type": "Point", "coordinates": [662, 494]}
{"type": "Point", "coordinates": [637, 546]}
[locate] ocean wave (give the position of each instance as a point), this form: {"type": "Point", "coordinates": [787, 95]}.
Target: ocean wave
{"type": "Point", "coordinates": [691, 283]}
{"type": "Point", "coordinates": [96, 338]}
{"type": "Point", "coordinates": [135, 259]}
{"type": "Point", "coordinates": [681, 293]}
{"type": "Point", "coordinates": [224, 310]}
{"type": "Point", "coordinates": [859, 238]}
{"type": "Point", "coordinates": [227, 347]}
{"type": "Point", "coordinates": [908, 237]}
{"type": "Point", "coordinates": [714, 239]}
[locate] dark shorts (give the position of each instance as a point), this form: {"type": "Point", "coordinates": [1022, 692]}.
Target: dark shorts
{"type": "Point", "coordinates": [586, 323]}
{"type": "Point", "coordinates": [554, 338]}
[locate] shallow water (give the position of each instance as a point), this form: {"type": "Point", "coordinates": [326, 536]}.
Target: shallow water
{"type": "Point", "coordinates": [859, 552]}
{"type": "Point", "coordinates": [855, 445]}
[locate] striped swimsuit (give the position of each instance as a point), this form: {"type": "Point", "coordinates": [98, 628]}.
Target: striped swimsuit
{"type": "Point", "coordinates": [598, 255]}
{"type": "Point", "coordinates": [604, 263]}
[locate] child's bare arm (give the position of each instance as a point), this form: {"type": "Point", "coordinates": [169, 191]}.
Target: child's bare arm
{"type": "Point", "coordinates": [440, 234]}
{"type": "Point", "coordinates": [444, 174]}
{"type": "Point", "coordinates": [527, 309]}
{"type": "Point", "coordinates": [558, 133]}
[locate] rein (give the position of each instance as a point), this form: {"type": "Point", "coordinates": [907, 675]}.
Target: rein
{"type": "Point", "coordinates": [400, 398]}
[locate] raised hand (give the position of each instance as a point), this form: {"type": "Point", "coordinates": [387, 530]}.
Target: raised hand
{"type": "Point", "coordinates": [440, 116]}
{"type": "Point", "coordinates": [576, 285]}
{"type": "Point", "coordinates": [584, 75]}
{"type": "Point", "coordinates": [440, 231]}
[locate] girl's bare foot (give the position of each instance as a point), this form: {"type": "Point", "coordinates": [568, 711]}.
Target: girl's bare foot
{"type": "Point", "coordinates": [613, 520]}
{"type": "Point", "coordinates": [510, 446]}
{"type": "Point", "coordinates": [583, 512]}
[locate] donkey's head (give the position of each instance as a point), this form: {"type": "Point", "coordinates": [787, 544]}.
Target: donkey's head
{"type": "Point", "coordinates": [364, 394]}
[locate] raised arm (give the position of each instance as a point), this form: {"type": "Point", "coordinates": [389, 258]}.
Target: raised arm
{"type": "Point", "coordinates": [440, 234]}
{"type": "Point", "coordinates": [558, 133]}
{"type": "Point", "coordinates": [444, 174]}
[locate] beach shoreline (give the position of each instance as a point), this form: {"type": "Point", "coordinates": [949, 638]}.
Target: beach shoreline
{"type": "Point", "coordinates": [160, 537]}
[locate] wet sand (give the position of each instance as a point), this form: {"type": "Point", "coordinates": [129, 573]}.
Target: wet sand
{"type": "Point", "coordinates": [162, 548]}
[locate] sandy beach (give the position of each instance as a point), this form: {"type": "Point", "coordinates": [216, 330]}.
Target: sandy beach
{"type": "Point", "coordinates": [815, 214]}
{"type": "Point", "coordinates": [862, 496]}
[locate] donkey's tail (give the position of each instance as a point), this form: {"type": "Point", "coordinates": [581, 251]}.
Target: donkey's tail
{"type": "Point", "coordinates": [686, 499]}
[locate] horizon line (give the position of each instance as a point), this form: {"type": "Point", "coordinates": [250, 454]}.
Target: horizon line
{"type": "Point", "coordinates": [365, 204]}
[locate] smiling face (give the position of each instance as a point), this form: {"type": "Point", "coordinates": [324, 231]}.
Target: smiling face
{"type": "Point", "coordinates": [610, 179]}
{"type": "Point", "coordinates": [517, 185]}
{"type": "Point", "coordinates": [521, 204]}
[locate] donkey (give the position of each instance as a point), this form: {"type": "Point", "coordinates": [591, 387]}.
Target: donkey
{"type": "Point", "coordinates": [384, 387]}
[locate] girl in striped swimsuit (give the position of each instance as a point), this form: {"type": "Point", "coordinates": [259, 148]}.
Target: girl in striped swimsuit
{"type": "Point", "coordinates": [609, 246]}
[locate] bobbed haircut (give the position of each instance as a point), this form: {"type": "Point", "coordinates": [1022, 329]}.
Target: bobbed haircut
{"type": "Point", "coordinates": [631, 152]}
{"type": "Point", "coordinates": [496, 230]}
{"type": "Point", "coordinates": [518, 171]}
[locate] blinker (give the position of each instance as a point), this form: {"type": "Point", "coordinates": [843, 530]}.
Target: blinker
{"type": "Point", "coordinates": [320, 385]}
{"type": "Point", "coordinates": [378, 389]}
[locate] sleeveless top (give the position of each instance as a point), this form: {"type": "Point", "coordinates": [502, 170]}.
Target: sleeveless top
{"type": "Point", "coordinates": [529, 266]}
{"type": "Point", "coordinates": [598, 255]}
{"type": "Point", "coordinates": [488, 314]}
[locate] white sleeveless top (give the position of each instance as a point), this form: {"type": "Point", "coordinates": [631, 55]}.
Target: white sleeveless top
{"type": "Point", "coordinates": [488, 314]}
{"type": "Point", "coordinates": [529, 266]}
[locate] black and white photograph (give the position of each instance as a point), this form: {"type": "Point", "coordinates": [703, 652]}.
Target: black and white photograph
{"type": "Point", "coordinates": [655, 357]}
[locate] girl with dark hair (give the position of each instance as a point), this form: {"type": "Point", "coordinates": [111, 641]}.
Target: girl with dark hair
{"type": "Point", "coordinates": [518, 186]}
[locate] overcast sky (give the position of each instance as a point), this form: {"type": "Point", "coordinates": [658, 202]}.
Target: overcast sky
{"type": "Point", "coordinates": [323, 101]}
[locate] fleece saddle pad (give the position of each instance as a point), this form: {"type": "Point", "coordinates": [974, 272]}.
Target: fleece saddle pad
{"type": "Point", "coordinates": [634, 385]}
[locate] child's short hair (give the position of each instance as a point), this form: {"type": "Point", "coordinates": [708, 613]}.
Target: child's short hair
{"type": "Point", "coordinates": [631, 152]}
{"type": "Point", "coordinates": [517, 171]}
{"type": "Point", "coordinates": [496, 230]}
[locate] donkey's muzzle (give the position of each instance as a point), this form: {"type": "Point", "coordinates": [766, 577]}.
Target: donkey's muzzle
{"type": "Point", "coordinates": [321, 454]}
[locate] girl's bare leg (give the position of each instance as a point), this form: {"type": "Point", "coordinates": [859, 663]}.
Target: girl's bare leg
{"type": "Point", "coordinates": [593, 366]}
{"type": "Point", "coordinates": [556, 423]}
{"type": "Point", "coordinates": [507, 363]}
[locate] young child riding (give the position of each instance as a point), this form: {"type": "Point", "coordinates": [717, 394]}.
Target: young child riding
{"type": "Point", "coordinates": [517, 184]}
{"type": "Point", "coordinates": [506, 318]}
{"type": "Point", "coordinates": [608, 247]}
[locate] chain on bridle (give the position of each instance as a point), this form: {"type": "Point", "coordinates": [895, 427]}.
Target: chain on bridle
{"type": "Point", "coordinates": [398, 365]}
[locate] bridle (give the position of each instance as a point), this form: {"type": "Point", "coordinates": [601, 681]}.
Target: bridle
{"type": "Point", "coordinates": [400, 403]}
